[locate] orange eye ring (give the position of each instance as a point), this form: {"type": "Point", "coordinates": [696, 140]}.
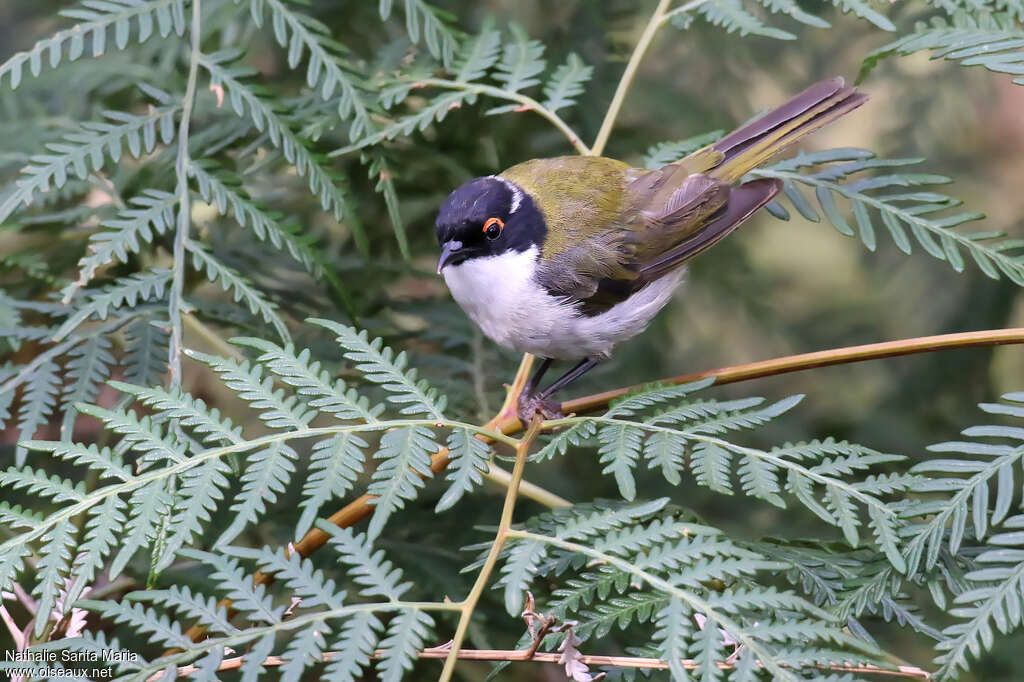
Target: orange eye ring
{"type": "Point", "coordinates": [492, 223]}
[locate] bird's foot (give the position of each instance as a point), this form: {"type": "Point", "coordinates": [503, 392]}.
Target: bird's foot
{"type": "Point", "coordinates": [529, 405]}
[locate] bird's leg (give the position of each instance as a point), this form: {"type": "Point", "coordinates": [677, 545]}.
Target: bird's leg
{"type": "Point", "coordinates": [541, 402]}
{"type": "Point", "coordinates": [525, 403]}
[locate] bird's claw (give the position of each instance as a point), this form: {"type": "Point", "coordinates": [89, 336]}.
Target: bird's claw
{"type": "Point", "coordinates": [529, 405]}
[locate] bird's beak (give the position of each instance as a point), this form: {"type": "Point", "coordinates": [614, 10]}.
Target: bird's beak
{"type": "Point", "coordinates": [448, 252]}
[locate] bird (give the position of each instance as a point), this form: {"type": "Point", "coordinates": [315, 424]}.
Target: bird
{"type": "Point", "coordinates": [567, 257]}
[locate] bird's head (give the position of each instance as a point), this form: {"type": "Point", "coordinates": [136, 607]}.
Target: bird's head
{"type": "Point", "coordinates": [487, 217]}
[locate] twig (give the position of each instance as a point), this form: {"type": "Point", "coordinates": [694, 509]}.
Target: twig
{"type": "Point", "coordinates": [504, 525]}
{"type": "Point", "coordinates": [224, 348]}
{"type": "Point", "coordinates": [174, 309]}
{"type": "Point", "coordinates": [824, 358]}
{"type": "Point", "coordinates": [688, 7]}
{"type": "Point", "coordinates": [524, 655]}
{"type": "Point", "coordinates": [526, 489]}
{"type": "Point", "coordinates": [526, 104]}
{"type": "Point", "coordinates": [627, 77]}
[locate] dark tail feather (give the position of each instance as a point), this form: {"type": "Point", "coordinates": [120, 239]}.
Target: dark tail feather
{"type": "Point", "coordinates": [743, 202]}
{"type": "Point", "coordinates": [766, 136]}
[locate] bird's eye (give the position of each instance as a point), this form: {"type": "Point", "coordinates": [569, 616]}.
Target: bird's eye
{"type": "Point", "coordinates": [493, 228]}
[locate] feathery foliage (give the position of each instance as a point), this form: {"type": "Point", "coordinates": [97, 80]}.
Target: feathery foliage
{"type": "Point", "coordinates": [148, 224]}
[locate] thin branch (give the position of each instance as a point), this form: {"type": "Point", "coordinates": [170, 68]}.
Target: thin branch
{"type": "Point", "coordinates": [824, 358]}
{"type": "Point", "coordinates": [525, 103]}
{"type": "Point", "coordinates": [504, 526]}
{"type": "Point", "coordinates": [528, 490]}
{"type": "Point", "coordinates": [524, 655]}
{"type": "Point", "coordinates": [211, 337]}
{"type": "Point", "coordinates": [175, 306]}
{"type": "Point", "coordinates": [627, 77]}
{"type": "Point", "coordinates": [688, 7]}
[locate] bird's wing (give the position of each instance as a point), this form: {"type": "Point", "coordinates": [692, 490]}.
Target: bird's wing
{"type": "Point", "coordinates": [669, 215]}
{"type": "Point", "coordinates": [653, 238]}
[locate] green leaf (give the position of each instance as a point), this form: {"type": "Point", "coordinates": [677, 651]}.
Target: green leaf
{"type": "Point", "coordinates": [567, 83]}
{"type": "Point", "coordinates": [469, 458]}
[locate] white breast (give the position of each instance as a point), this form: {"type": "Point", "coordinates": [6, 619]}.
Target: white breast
{"type": "Point", "coordinates": [500, 294]}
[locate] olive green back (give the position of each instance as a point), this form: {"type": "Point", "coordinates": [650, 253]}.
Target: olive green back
{"type": "Point", "coordinates": [580, 196]}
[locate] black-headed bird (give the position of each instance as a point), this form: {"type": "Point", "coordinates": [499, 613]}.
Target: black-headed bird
{"type": "Point", "coordinates": [566, 257]}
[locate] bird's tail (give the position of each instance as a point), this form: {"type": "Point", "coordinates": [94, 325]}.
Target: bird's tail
{"type": "Point", "coordinates": [748, 147]}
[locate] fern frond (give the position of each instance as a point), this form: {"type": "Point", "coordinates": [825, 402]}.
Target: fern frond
{"type": "Point", "coordinates": [423, 19]}
{"type": "Point", "coordinates": [325, 71]}
{"type": "Point", "coordinates": [665, 153]}
{"type": "Point", "coordinates": [175, 404]}
{"type": "Point", "coordinates": [102, 535]}
{"type": "Point", "coordinates": [378, 168]}
{"type": "Point", "coordinates": [125, 292]}
{"type": "Point", "coordinates": [304, 649]}
{"type": "Point", "coordinates": [991, 40]}
{"type": "Point", "coordinates": [381, 366]}
{"type": "Point", "coordinates": [477, 54]}
{"type": "Point", "coordinates": [922, 211]}
{"type": "Point", "coordinates": [54, 564]}
{"type": "Point", "coordinates": [334, 466]}
{"type": "Point", "coordinates": [734, 18]}
{"type": "Point", "coordinates": [355, 646]}
{"type": "Point", "coordinates": [469, 458]}
{"type": "Point", "coordinates": [95, 21]}
{"type": "Point", "coordinates": [39, 401]}
{"type": "Point", "coordinates": [247, 103]}
{"type": "Point", "coordinates": [434, 110]}
{"type": "Point", "coordinates": [566, 83]}
{"type": "Point", "coordinates": [278, 410]}
{"type": "Point", "coordinates": [86, 150]}
{"type": "Point", "coordinates": [200, 491]}
{"type": "Point", "coordinates": [246, 595]}
{"type": "Point", "coordinates": [994, 599]}
{"type": "Point", "coordinates": [864, 10]}
{"type": "Point", "coordinates": [792, 9]}
{"type": "Point", "coordinates": [159, 627]}
{"type": "Point", "coordinates": [149, 505]}
{"type": "Point", "coordinates": [101, 460]}
{"type": "Point", "coordinates": [668, 577]}
{"type": "Point", "coordinates": [624, 441]}
{"type": "Point", "coordinates": [404, 462]}
{"type": "Point", "coordinates": [296, 573]}
{"type": "Point", "coordinates": [146, 343]}
{"type": "Point", "coordinates": [147, 215]}
{"type": "Point", "coordinates": [224, 193]}
{"type": "Point", "coordinates": [522, 60]}
{"type": "Point", "coordinates": [579, 522]}
{"type": "Point", "coordinates": [87, 369]}
{"type": "Point", "coordinates": [241, 288]}
{"type": "Point", "coordinates": [315, 386]}
{"type": "Point", "coordinates": [267, 474]}
{"type": "Point", "coordinates": [406, 634]}
{"type": "Point", "coordinates": [992, 456]}
{"type": "Point", "coordinates": [370, 569]}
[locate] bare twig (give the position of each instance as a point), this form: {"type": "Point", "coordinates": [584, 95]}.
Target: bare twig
{"type": "Point", "coordinates": [525, 655]}
{"type": "Point", "coordinates": [824, 358]}
{"type": "Point", "coordinates": [504, 525]}
{"type": "Point", "coordinates": [627, 78]}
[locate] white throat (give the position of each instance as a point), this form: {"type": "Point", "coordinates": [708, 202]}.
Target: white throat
{"type": "Point", "coordinates": [495, 291]}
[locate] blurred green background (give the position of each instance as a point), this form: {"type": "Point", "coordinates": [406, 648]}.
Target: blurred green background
{"type": "Point", "coordinates": [774, 288]}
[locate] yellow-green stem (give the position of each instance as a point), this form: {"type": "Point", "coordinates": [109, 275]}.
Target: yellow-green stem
{"type": "Point", "coordinates": [504, 525]}
{"type": "Point", "coordinates": [627, 77]}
